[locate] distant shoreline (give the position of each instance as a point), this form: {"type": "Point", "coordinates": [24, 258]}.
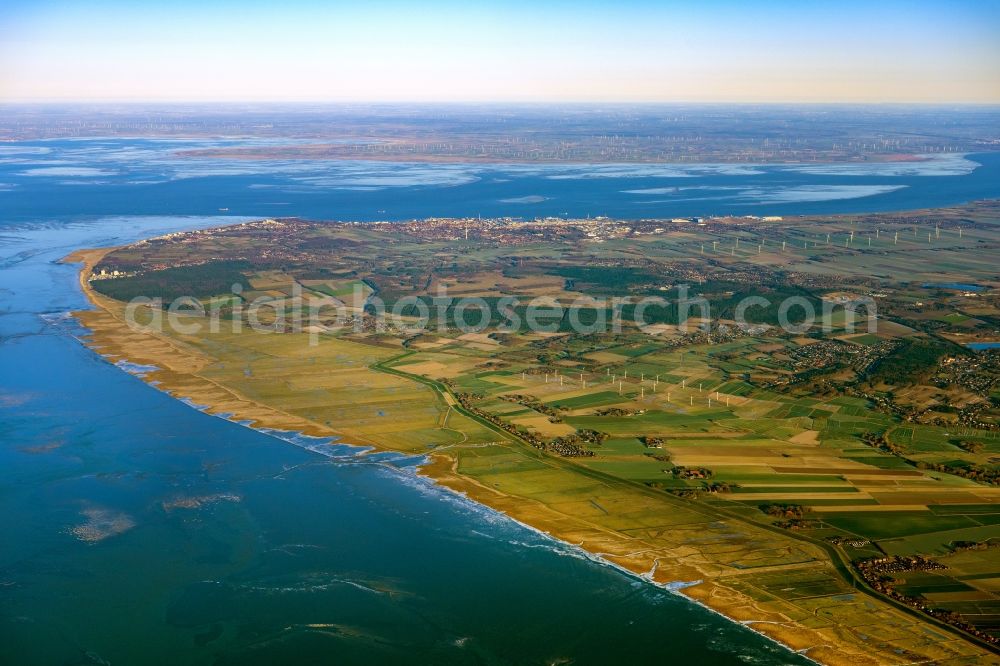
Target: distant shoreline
{"type": "Point", "coordinates": [342, 153]}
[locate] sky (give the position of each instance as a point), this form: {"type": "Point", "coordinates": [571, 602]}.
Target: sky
{"type": "Point", "coordinates": [515, 51]}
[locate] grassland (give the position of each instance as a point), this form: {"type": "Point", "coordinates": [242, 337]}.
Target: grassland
{"type": "Point", "coordinates": [760, 464]}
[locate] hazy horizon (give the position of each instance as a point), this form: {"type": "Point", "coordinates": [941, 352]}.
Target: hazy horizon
{"type": "Point", "coordinates": [591, 52]}
{"type": "Point", "coordinates": [512, 104]}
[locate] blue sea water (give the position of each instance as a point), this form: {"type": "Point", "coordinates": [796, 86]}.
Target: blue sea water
{"type": "Point", "coordinates": [100, 177]}
{"type": "Point", "coordinates": [956, 286]}
{"type": "Point", "coordinates": [138, 530]}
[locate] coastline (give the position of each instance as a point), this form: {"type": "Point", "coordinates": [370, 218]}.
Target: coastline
{"type": "Point", "coordinates": [429, 481]}
{"type": "Point", "coordinates": [176, 373]}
